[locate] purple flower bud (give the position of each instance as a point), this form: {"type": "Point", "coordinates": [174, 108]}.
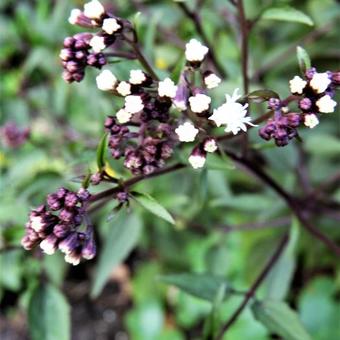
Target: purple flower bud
{"type": "Point", "coordinates": [29, 243]}
{"type": "Point", "coordinates": [67, 76]}
{"type": "Point", "coordinates": [305, 104]}
{"type": "Point", "coordinates": [83, 194]}
{"type": "Point", "coordinates": [61, 193]}
{"type": "Point", "coordinates": [72, 66]}
{"type": "Point", "coordinates": [70, 243]}
{"type": "Point", "coordinates": [96, 178]}
{"type": "Point", "coordinates": [61, 230]}
{"type": "Point", "coordinates": [66, 215]}
{"type": "Point", "coordinates": [122, 196]}
{"type": "Point", "coordinates": [336, 78]}
{"type": "Point", "coordinates": [88, 251]}
{"type": "Point", "coordinates": [53, 202]}
{"type": "Point", "coordinates": [78, 76]}
{"type": "Point", "coordinates": [274, 104]}
{"type": "Point", "coordinates": [69, 42]}
{"type": "Point", "coordinates": [71, 200]}
{"type": "Point", "coordinates": [49, 244]}
{"type": "Point", "coordinates": [310, 73]}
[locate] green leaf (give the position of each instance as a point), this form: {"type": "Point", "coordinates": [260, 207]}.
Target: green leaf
{"type": "Point", "coordinates": [204, 286]}
{"type": "Point", "coordinates": [303, 59]}
{"type": "Point", "coordinates": [260, 96]}
{"type": "Point", "coordinates": [121, 239]}
{"type": "Point", "coordinates": [287, 14]}
{"type": "Point", "coordinates": [48, 314]}
{"type": "Point", "coordinates": [153, 206]}
{"type": "Point", "coordinates": [101, 150]}
{"type": "Point", "coordinates": [280, 277]}
{"type": "Point", "coordinates": [280, 319]}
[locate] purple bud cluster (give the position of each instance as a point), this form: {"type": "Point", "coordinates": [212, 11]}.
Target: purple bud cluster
{"type": "Point", "coordinates": [13, 136]}
{"type": "Point", "coordinates": [282, 128]}
{"type": "Point", "coordinates": [76, 56]}
{"type": "Point", "coordinates": [55, 225]}
{"type": "Point", "coordinates": [145, 150]}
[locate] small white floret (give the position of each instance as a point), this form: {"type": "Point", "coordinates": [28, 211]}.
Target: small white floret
{"type": "Point", "coordinates": [94, 9]}
{"type": "Point", "coordinates": [186, 132]}
{"type": "Point", "coordinates": [320, 82]}
{"type": "Point", "coordinates": [106, 80]}
{"type": "Point", "coordinates": [124, 88]}
{"type": "Point", "coordinates": [326, 104]}
{"type": "Point", "coordinates": [167, 88]}
{"type": "Point", "coordinates": [211, 81]}
{"type": "Point", "coordinates": [311, 120]}
{"type": "Point", "coordinates": [74, 16]}
{"type": "Point", "coordinates": [199, 103]}
{"type": "Point", "coordinates": [197, 161]}
{"type": "Point", "coordinates": [133, 104]}
{"type": "Point", "coordinates": [110, 25]}
{"type": "Point", "coordinates": [137, 77]}
{"type": "Point", "coordinates": [123, 116]}
{"type": "Point", "coordinates": [297, 84]}
{"type": "Point", "coordinates": [97, 43]}
{"type": "Point", "coordinates": [195, 51]}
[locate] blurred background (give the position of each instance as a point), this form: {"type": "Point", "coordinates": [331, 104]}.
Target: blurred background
{"type": "Point", "coordinates": [220, 213]}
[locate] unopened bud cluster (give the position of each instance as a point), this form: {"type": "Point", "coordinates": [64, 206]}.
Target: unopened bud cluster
{"type": "Point", "coordinates": [13, 136]}
{"type": "Point", "coordinates": [56, 225]}
{"type": "Point", "coordinates": [314, 95]}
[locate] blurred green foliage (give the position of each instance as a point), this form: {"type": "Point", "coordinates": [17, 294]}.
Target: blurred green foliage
{"type": "Point", "coordinates": [66, 123]}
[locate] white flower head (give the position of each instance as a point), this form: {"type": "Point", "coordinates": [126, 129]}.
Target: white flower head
{"type": "Point", "coordinates": [311, 120]}
{"type": "Point", "coordinates": [49, 245]}
{"type": "Point", "coordinates": [197, 161]}
{"type": "Point", "coordinates": [199, 103]}
{"type": "Point", "coordinates": [106, 80]}
{"type": "Point", "coordinates": [94, 9]}
{"type": "Point", "coordinates": [167, 88]}
{"type": "Point", "coordinates": [74, 16]}
{"type": "Point", "coordinates": [297, 84]}
{"type": "Point", "coordinates": [37, 223]}
{"type": "Point", "coordinates": [137, 77]}
{"type": "Point", "coordinates": [232, 114]}
{"type": "Point", "coordinates": [123, 116]}
{"type": "Point", "coordinates": [97, 43]}
{"type": "Point", "coordinates": [186, 132]}
{"type": "Point", "coordinates": [111, 25]}
{"type": "Point", "coordinates": [320, 82]}
{"type": "Point", "coordinates": [133, 104]}
{"type": "Point", "coordinates": [72, 259]}
{"type": "Point", "coordinates": [195, 51]}
{"type": "Point", "coordinates": [211, 81]}
{"type": "Point", "coordinates": [326, 104]}
{"type": "Point", "coordinates": [210, 145]}
{"type": "Point", "coordinates": [124, 88]}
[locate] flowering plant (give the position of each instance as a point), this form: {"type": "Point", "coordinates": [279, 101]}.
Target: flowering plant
{"type": "Point", "coordinates": [166, 122]}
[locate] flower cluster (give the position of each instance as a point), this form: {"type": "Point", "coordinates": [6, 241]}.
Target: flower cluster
{"type": "Point", "coordinates": [56, 225]}
{"type": "Point", "coordinates": [314, 95]}
{"type": "Point", "coordinates": [13, 136]}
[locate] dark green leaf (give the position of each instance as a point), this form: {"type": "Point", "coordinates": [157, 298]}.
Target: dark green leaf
{"type": "Point", "coordinates": [48, 314]}
{"type": "Point", "coordinates": [153, 206]}
{"type": "Point", "coordinates": [287, 14]}
{"type": "Point", "coordinates": [303, 59]}
{"type": "Point", "coordinates": [121, 239]}
{"type": "Point", "coordinates": [259, 96]}
{"type": "Point", "coordinates": [204, 286]}
{"type": "Point", "coordinates": [280, 319]}
{"type": "Point", "coordinates": [101, 150]}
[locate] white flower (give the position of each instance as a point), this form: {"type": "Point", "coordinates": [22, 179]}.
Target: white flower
{"type": "Point", "coordinates": [72, 259]}
{"type": "Point", "coordinates": [137, 77]}
{"type": "Point", "coordinates": [106, 80]}
{"type": "Point", "coordinates": [195, 51]}
{"type": "Point", "coordinates": [232, 114]}
{"type": "Point", "coordinates": [123, 116]}
{"type": "Point", "coordinates": [186, 132]}
{"type": "Point", "coordinates": [74, 15]}
{"type": "Point", "coordinates": [210, 145]}
{"type": "Point", "coordinates": [167, 88]}
{"type": "Point", "coordinates": [199, 103]}
{"type": "Point", "coordinates": [297, 84]}
{"type": "Point", "coordinates": [124, 88]}
{"type": "Point", "coordinates": [97, 43]}
{"type": "Point", "coordinates": [326, 104]}
{"type": "Point", "coordinates": [320, 82]}
{"type": "Point", "coordinates": [94, 9]}
{"type": "Point", "coordinates": [48, 246]}
{"type": "Point", "coordinates": [110, 25]}
{"type": "Point", "coordinates": [133, 104]}
{"type": "Point", "coordinates": [197, 161]}
{"type": "Point", "coordinates": [211, 81]}
{"type": "Point", "coordinates": [37, 223]}
{"type": "Point", "coordinates": [311, 120]}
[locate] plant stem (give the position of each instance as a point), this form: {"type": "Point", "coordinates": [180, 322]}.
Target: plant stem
{"type": "Point", "coordinates": [244, 45]}
{"type": "Point", "coordinates": [251, 292]}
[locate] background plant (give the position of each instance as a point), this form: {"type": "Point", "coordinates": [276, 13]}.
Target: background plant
{"type": "Point", "coordinates": [220, 198]}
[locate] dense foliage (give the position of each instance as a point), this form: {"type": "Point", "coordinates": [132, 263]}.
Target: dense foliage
{"type": "Point", "coordinates": [244, 247]}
